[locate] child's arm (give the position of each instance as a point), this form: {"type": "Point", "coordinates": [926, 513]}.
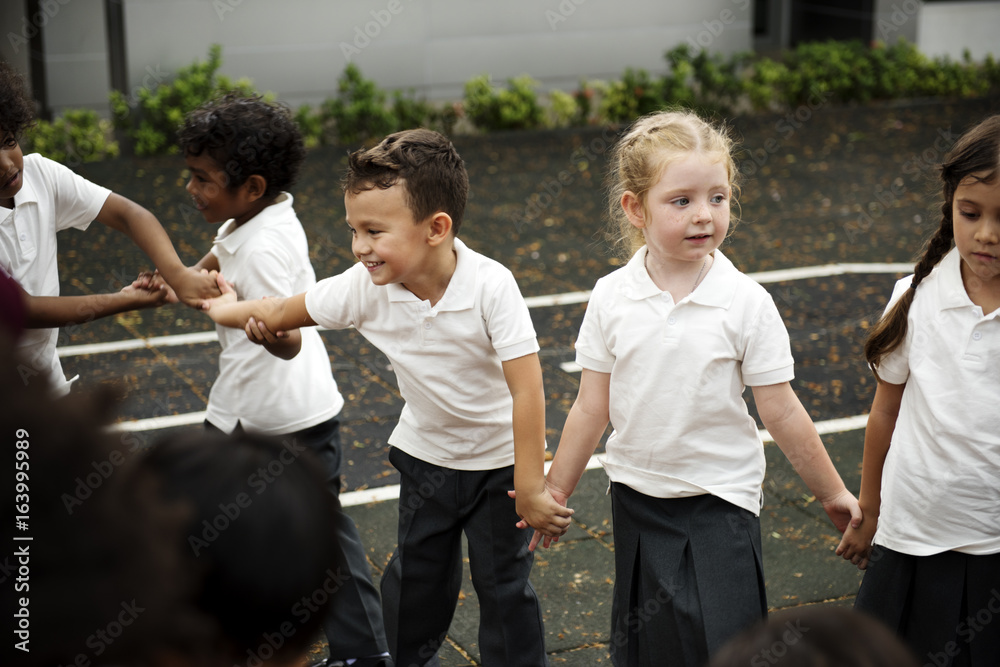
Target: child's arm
{"type": "Point", "coordinates": [585, 424]}
{"type": "Point", "coordinates": [793, 431]}
{"type": "Point", "coordinates": [856, 544]}
{"type": "Point", "coordinates": [534, 503]}
{"type": "Point", "coordinates": [279, 314]}
{"type": "Point", "coordinates": [145, 230]}
{"type": "Point", "coordinates": [46, 312]}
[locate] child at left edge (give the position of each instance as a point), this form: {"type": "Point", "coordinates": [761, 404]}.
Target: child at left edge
{"type": "Point", "coordinates": [460, 339]}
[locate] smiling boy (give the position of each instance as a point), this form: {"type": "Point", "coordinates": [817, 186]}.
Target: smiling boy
{"type": "Point", "coordinates": [458, 334]}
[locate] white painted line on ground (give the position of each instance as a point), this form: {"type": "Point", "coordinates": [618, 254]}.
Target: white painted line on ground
{"type": "Point", "coordinates": [544, 301]}
{"type": "Point", "coordinates": [571, 367]}
{"type": "Point", "coordinates": [156, 423]}
{"type": "Point", "coordinates": [383, 493]}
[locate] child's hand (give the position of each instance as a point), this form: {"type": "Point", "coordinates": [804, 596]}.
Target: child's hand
{"type": "Point", "coordinates": [228, 294]}
{"type": "Point", "coordinates": [843, 510]}
{"type": "Point", "coordinates": [153, 280]}
{"type": "Point", "coordinates": [258, 333]}
{"type": "Point", "coordinates": [195, 287]}
{"type": "Point", "coordinates": [856, 544]}
{"type": "Point", "coordinates": [146, 297]}
{"type": "Point", "coordinates": [546, 512]}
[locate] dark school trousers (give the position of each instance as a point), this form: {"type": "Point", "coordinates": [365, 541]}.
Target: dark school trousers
{"type": "Point", "coordinates": [353, 623]}
{"type": "Point", "coordinates": [421, 583]}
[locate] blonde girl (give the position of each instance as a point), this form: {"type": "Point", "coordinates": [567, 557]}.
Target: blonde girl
{"type": "Point", "coordinates": [668, 344]}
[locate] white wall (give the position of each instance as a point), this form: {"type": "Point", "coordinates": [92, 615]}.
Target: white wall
{"type": "Point", "coordinates": [299, 48]}
{"type": "Point", "coordinates": [947, 28]}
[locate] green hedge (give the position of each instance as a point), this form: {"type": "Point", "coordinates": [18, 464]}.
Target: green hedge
{"type": "Point", "coordinates": [360, 112]}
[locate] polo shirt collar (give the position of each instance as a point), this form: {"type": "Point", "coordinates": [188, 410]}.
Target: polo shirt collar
{"type": "Point", "coordinates": [716, 289]}
{"type": "Point", "coordinates": [26, 194]}
{"type": "Point", "coordinates": [230, 237]}
{"type": "Point", "coordinates": [950, 288]}
{"type": "Point", "coordinates": [461, 291]}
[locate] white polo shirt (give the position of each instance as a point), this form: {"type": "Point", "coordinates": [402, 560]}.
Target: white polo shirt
{"type": "Point", "coordinates": [52, 198]}
{"type": "Point", "coordinates": [941, 479]}
{"type": "Point", "coordinates": [268, 256]}
{"type": "Point", "coordinates": [677, 377]}
{"type": "Point", "coordinates": [447, 358]}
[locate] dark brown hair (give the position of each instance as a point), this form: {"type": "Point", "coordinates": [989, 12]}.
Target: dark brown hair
{"type": "Point", "coordinates": [975, 156]}
{"type": "Point", "coordinates": [432, 172]}
{"type": "Point", "coordinates": [246, 136]}
{"type": "Point", "coordinates": [17, 110]}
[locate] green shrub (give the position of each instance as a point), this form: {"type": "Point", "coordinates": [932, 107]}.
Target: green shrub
{"type": "Point", "coordinates": [562, 109]}
{"type": "Point", "coordinates": [512, 108]}
{"type": "Point", "coordinates": [359, 110]}
{"type": "Point", "coordinates": [79, 135]}
{"type": "Point", "coordinates": [636, 94]}
{"type": "Point", "coordinates": [151, 118]}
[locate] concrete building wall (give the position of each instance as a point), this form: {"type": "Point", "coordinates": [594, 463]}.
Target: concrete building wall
{"type": "Point", "coordinates": [948, 28]}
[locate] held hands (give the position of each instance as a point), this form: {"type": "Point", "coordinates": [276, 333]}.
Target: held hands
{"type": "Point", "coordinates": [553, 525]}
{"type": "Point", "coordinates": [856, 544]}
{"type": "Point", "coordinates": [258, 333]}
{"type": "Point", "coordinates": [843, 510]}
{"type": "Point", "coordinates": [227, 295]}
{"type": "Point", "coordinates": [194, 287]}
{"type": "Point", "coordinates": [151, 296]}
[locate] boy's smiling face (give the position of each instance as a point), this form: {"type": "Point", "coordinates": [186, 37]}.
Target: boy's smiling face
{"type": "Point", "coordinates": [11, 169]}
{"type": "Point", "coordinates": [208, 187]}
{"type": "Point", "coordinates": [386, 238]}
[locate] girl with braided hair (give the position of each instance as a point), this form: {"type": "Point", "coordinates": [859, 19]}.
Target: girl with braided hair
{"type": "Point", "coordinates": [930, 486]}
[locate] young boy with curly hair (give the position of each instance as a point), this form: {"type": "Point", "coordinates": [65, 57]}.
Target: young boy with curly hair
{"type": "Point", "coordinates": [244, 154]}
{"type": "Point", "coordinates": [460, 339]}
{"type": "Point", "coordinates": [39, 197]}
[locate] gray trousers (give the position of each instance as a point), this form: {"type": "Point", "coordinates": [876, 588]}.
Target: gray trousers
{"type": "Point", "coordinates": [421, 584]}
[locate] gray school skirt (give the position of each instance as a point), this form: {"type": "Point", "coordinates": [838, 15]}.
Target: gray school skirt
{"type": "Point", "coordinates": [688, 577]}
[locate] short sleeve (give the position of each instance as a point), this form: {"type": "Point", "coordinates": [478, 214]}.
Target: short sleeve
{"type": "Point", "coordinates": [592, 350]}
{"type": "Point", "coordinates": [767, 354]}
{"type": "Point", "coordinates": [77, 201]}
{"type": "Point", "coordinates": [508, 321]}
{"type": "Point", "coordinates": [329, 302]}
{"type": "Point", "coordinates": [894, 367]}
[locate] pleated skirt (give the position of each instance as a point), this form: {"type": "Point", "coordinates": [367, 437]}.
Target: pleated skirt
{"type": "Point", "coordinates": [688, 577]}
{"type": "Point", "coordinates": [945, 606]}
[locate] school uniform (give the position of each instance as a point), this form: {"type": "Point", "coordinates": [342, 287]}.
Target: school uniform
{"type": "Point", "coordinates": [685, 459]}
{"type": "Point", "coordinates": [52, 198]}
{"type": "Point", "coordinates": [297, 398]}
{"type": "Point", "coordinates": [934, 576]}
{"type": "Point", "coordinates": [454, 449]}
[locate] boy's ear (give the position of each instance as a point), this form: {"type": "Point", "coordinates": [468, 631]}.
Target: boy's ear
{"type": "Point", "coordinates": [439, 228]}
{"type": "Point", "coordinates": [255, 186]}
{"type": "Point", "coordinates": [633, 209]}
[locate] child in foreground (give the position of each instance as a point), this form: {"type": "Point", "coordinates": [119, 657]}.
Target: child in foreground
{"type": "Point", "coordinates": [39, 197]}
{"type": "Point", "coordinates": [244, 154]}
{"type": "Point", "coordinates": [460, 339]}
{"type": "Point", "coordinates": [667, 345]}
{"type": "Point", "coordinates": [930, 480]}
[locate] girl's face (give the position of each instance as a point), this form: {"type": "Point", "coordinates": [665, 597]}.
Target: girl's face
{"type": "Point", "coordinates": [976, 220]}
{"type": "Point", "coordinates": [685, 215]}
